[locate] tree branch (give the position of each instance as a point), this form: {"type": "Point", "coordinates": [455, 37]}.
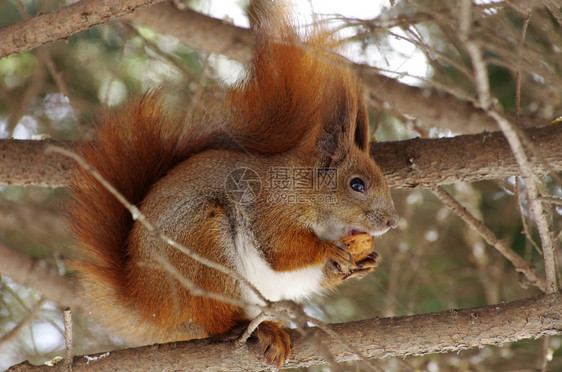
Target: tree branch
{"type": "Point", "coordinates": [519, 263]}
{"type": "Point", "coordinates": [31, 273]}
{"type": "Point", "coordinates": [62, 23]}
{"type": "Point", "coordinates": [197, 30]}
{"type": "Point", "coordinates": [511, 133]}
{"type": "Point", "coordinates": [24, 163]}
{"type": "Point", "coordinates": [406, 164]}
{"type": "Point", "coordinates": [216, 36]}
{"type": "Point", "coordinates": [466, 158]}
{"type": "Point", "coordinates": [425, 104]}
{"type": "Point", "coordinates": [445, 331]}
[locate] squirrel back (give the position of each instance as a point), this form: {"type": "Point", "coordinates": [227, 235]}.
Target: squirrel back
{"type": "Point", "coordinates": [299, 106]}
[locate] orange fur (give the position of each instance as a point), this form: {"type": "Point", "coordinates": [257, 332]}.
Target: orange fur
{"type": "Point", "coordinates": [298, 106]}
{"type": "Point", "coordinates": [134, 147]}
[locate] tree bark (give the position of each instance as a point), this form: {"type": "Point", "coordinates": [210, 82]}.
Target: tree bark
{"type": "Point", "coordinates": [446, 331]}
{"type": "Point", "coordinates": [62, 23]}
{"type": "Point", "coordinates": [215, 36]}
{"type": "Point", "coordinates": [31, 273]}
{"type": "Point", "coordinates": [466, 158]}
{"type": "Point", "coordinates": [406, 164]}
{"type": "Point", "coordinates": [24, 163]}
{"type": "Point", "coordinates": [197, 30]}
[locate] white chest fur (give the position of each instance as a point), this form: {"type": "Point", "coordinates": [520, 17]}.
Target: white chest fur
{"type": "Point", "coordinates": [273, 285]}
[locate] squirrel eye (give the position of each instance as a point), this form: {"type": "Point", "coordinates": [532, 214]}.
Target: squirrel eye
{"type": "Point", "coordinates": [357, 184]}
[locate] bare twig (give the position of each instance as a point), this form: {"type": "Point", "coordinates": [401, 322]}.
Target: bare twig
{"type": "Point", "coordinates": [545, 354]}
{"type": "Point", "coordinates": [138, 216]}
{"type": "Point", "coordinates": [68, 351]}
{"type": "Point", "coordinates": [473, 49]}
{"type": "Point", "coordinates": [523, 219]}
{"type": "Point", "coordinates": [45, 57]}
{"type": "Point", "coordinates": [515, 143]}
{"type": "Point", "coordinates": [553, 8]}
{"type": "Point", "coordinates": [551, 199]}
{"type": "Point", "coordinates": [18, 106]}
{"type": "Point", "coordinates": [537, 208]}
{"type": "Point", "coordinates": [262, 317]}
{"type": "Point", "coordinates": [22, 324]}
{"type": "Point", "coordinates": [518, 72]}
{"type": "Point", "coordinates": [488, 235]}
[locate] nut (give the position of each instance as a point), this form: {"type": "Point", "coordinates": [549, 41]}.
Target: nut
{"type": "Point", "coordinates": [360, 246]}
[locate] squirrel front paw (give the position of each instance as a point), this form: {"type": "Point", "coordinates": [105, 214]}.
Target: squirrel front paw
{"type": "Point", "coordinates": [365, 266]}
{"type": "Point", "coordinates": [352, 257]}
{"type": "Point", "coordinates": [339, 261]}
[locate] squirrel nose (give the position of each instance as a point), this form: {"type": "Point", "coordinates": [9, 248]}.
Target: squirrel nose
{"type": "Point", "coordinates": [392, 220]}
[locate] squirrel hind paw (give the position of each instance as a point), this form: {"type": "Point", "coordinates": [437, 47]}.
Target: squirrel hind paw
{"type": "Point", "coordinates": [275, 343]}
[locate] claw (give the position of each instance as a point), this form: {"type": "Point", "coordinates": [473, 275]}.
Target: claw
{"type": "Point", "coordinates": [275, 343]}
{"type": "Point", "coordinates": [370, 262]}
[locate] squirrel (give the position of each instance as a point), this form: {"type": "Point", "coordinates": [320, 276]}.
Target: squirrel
{"type": "Point", "coordinates": [292, 135]}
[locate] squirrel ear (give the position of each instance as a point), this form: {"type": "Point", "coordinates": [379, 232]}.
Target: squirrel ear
{"type": "Point", "coordinates": [334, 144]}
{"type": "Point", "coordinates": [347, 125]}
{"type": "Point", "coordinates": [361, 137]}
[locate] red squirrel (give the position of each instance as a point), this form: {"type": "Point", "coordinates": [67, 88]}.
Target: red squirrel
{"type": "Point", "coordinates": [293, 134]}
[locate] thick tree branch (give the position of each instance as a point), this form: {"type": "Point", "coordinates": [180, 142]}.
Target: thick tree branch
{"type": "Point", "coordinates": [446, 331]}
{"type": "Point", "coordinates": [406, 164]}
{"type": "Point", "coordinates": [212, 35]}
{"type": "Point", "coordinates": [215, 36]}
{"type": "Point", "coordinates": [467, 158]}
{"type": "Point", "coordinates": [62, 23]}
{"type": "Point", "coordinates": [197, 30]}
{"type": "Point", "coordinates": [427, 105]}
{"type": "Point", "coordinates": [25, 163]}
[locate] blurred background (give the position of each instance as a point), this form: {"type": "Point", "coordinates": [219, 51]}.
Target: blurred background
{"type": "Point", "coordinates": [432, 262]}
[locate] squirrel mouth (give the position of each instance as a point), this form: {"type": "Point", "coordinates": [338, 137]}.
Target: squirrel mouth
{"type": "Point", "coordinates": [352, 232]}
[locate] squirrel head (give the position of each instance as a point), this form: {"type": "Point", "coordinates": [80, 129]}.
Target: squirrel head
{"type": "Point", "coordinates": [302, 98]}
{"type": "Point", "coordinates": [361, 201]}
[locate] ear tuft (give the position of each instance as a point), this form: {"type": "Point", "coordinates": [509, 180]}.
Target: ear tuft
{"type": "Point", "coordinates": [344, 121]}
{"type": "Point", "coordinates": [361, 135]}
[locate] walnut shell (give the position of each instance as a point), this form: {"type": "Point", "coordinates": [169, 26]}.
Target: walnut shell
{"type": "Point", "coordinates": [360, 246]}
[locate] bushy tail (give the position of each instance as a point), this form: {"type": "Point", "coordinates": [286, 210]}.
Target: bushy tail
{"type": "Point", "coordinates": [134, 147]}
{"type": "Point", "coordinates": [295, 88]}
